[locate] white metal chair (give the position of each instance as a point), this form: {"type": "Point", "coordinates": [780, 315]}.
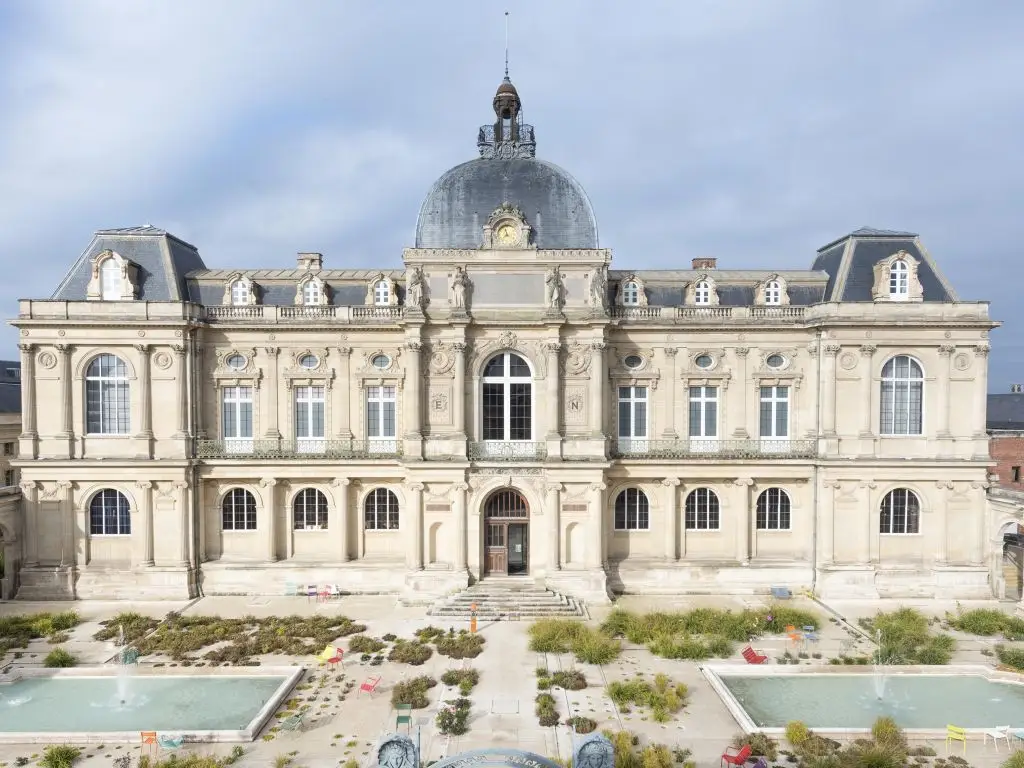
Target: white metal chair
{"type": "Point", "coordinates": [1000, 732]}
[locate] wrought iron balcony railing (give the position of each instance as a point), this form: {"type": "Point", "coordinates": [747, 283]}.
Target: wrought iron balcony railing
{"type": "Point", "coordinates": [720, 449]}
{"type": "Point", "coordinates": [516, 450]}
{"type": "Point", "coordinates": [299, 450]}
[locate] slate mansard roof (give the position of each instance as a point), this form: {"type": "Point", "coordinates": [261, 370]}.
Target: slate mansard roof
{"type": "Point", "coordinates": [10, 386]}
{"type": "Point", "coordinates": [1006, 412]}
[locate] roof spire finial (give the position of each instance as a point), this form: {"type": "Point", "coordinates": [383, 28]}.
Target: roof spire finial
{"type": "Point", "coordinates": [506, 45]}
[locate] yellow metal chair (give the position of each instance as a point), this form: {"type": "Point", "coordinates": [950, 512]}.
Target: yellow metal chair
{"type": "Point", "coordinates": [955, 733]}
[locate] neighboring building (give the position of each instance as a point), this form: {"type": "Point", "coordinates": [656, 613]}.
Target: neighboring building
{"type": "Point", "coordinates": [504, 404]}
{"type": "Point", "coordinates": [1005, 422]}
{"type": "Point", "coordinates": [10, 419]}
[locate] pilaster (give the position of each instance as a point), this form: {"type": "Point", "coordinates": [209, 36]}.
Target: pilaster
{"type": "Point", "coordinates": [981, 397]}
{"type": "Point", "coordinates": [29, 439]}
{"type": "Point", "coordinates": [185, 522]}
{"type": "Point", "coordinates": [459, 387]}
{"type": "Point", "coordinates": [269, 498]}
{"type": "Point", "coordinates": [671, 430]}
{"type": "Point", "coordinates": [554, 406]}
{"type": "Point", "coordinates": [415, 516]}
{"type": "Point", "coordinates": [942, 406]}
{"type": "Point", "coordinates": [75, 527]}
{"type": "Point", "coordinates": [270, 392]}
{"type": "Point", "coordinates": [412, 398]}
{"type": "Point", "coordinates": [869, 391]}
{"type": "Point", "coordinates": [740, 431]}
{"type": "Point", "coordinates": [340, 486]}
{"type": "Point", "coordinates": [828, 391]}
{"type": "Point", "coordinates": [671, 485]}
{"type": "Point", "coordinates": [595, 533]}
{"type": "Point", "coordinates": [67, 433]}
{"type": "Point", "coordinates": [343, 394]}
{"type": "Point", "coordinates": [30, 499]}
{"type": "Point", "coordinates": [741, 518]}
{"type": "Point", "coordinates": [143, 556]}
{"type": "Point", "coordinates": [144, 437]}
{"type": "Point", "coordinates": [554, 512]}
{"type": "Point", "coordinates": [182, 379]}
{"type": "Point", "coordinates": [459, 509]}
{"type": "Point", "coordinates": [598, 374]}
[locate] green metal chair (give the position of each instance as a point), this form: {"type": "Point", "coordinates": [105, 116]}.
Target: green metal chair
{"type": "Point", "coordinates": [404, 715]}
{"type": "Point", "coordinates": [294, 722]}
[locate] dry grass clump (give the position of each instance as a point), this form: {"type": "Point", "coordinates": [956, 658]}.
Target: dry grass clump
{"type": "Point", "coordinates": [570, 636]}
{"type": "Point", "coordinates": [663, 697]}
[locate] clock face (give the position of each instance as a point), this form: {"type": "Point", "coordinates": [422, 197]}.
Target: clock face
{"type": "Point", "coordinates": [506, 234]}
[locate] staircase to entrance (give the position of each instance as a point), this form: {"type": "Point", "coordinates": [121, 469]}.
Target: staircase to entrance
{"type": "Point", "coordinates": [508, 598]}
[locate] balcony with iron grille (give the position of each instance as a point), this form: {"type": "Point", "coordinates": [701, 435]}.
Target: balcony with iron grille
{"type": "Point", "coordinates": [513, 450]}
{"type": "Point", "coordinates": [299, 450]}
{"type": "Point", "coordinates": [701, 448]}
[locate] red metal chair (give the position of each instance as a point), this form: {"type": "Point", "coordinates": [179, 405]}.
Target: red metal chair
{"type": "Point", "coordinates": [738, 757]}
{"type": "Point", "coordinates": [753, 657]}
{"type": "Point", "coordinates": [369, 685]}
{"type": "Point", "coordinates": [337, 658]}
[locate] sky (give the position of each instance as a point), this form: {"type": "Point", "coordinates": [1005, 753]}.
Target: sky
{"type": "Point", "coordinates": [751, 131]}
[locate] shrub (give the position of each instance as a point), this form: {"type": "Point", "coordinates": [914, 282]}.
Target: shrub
{"type": "Point", "coordinates": [17, 631]}
{"type": "Point", "coordinates": [136, 626]}
{"type": "Point", "coordinates": [463, 645]}
{"type": "Point", "coordinates": [987, 622]}
{"type": "Point", "coordinates": [429, 633]}
{"type": "Point", "coordinates": [413, 692]}
{"type": "Point", "coordinates": [59, 658]}
{"type": "Point", "coordinates": [581, 724]}
{"type": "Point", "coordinates": [410, 652]}
{"type": "Point", "coordinates": [690, 647]}
{"type": "Point", "coordinates": [1010, 656]}
{"type": "Point", "coordinates": [547, 715]}
{"type": "Point", "coordinates": [365, 644]}
{"type": "Point", "coordinates": [452, 718]}
{"type": "Point", "coordinates": [885, 732]}
{"type": "Point", "coordinates": [571, 680]}
{"type": "Point", "coordinates": [761, 745]}
{"type": "Point", "coordinates": [797, 733]}
{"type": "Point", "coordinates": [465, 679]}
{"type": "Point", "coordinates": [664, 698]}
{"type": "Point", "coordinates": [568, 635]}
{"type": "Point", "coordinates": [59, 756]}
{"type": "Point", "coordinates": [656, 756]}
{"type": "Point", "coordinates": [740, 626]}
{"type": "Point", "coordinates": [1016, 760]}
{"type": "Point", "coordinates": [905, 638]}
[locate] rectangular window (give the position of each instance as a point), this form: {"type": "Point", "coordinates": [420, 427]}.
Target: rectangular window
{"type": "Point", "coordinates": [8, 449]}
{"type": "Point", "coordinates": [309, 419]}
{"type": "Point", "coordinates": [520, 416]}
{"type": "Point", "coordinates": [494, 411]}
{"type": "Point", "coordinates": [11, 477]}
{"type": "Point", "coordinates": [107, 406]}
{"type": "Point", "coordinates": [632, 418]}
{"type": "Point", "coordinates": [1015, 474]}
{"type": "Point", "coordinates": [902, 410]}
{"type": "Point", "coordinates": [236, 418]}
{"type": "Point", "coordinates": [381, 420]}
{"type": "Point", "coordinates": [703, 418]}
{"type": "Point", "coordinates": [774, 416]}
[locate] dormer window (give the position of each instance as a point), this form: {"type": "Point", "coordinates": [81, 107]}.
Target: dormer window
{"type": "Point", "coordinates": [110, 280]}
{"type": "Point", "coordinates": [702, 293]}
{"type": "Point", "coordinates": [772, 293]}
{"type": "Point", "coordinates": [630, 294]}
{"type": "Point", "coordinates": [382, 293]}
{"type": "Point", "coordinates": [899, 279]}
{"type": "Point", "coordinates": [311, 293]}
{"type": "Point", "coordinates": [240, 293]}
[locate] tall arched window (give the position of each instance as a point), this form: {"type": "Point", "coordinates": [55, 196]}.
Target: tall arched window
{"type": "Point", "coordinates": [238, 511]}
{"type": "Point", "coordinates": [899, 279]}
{"type": "Point", "coordinates": [507, 399]}
{"type": "Point", "coordinates": [702, 510]}
{"type": "Point", "coordinates": [632, 511]}
{"type": "Point", "coordinates": [110, 280]}
{"type": "Point", "coordinates": [109, 514]}
{"type": "Point", "coordinates": [901, 512]}
{"type": "Point", "coordinates": [630, 294]}
{"type": "Point", "coordinates": [239, 293]}
{"type": "Point", "coordinates": [309, 509]}
{"type": "Point", "coordinates": [107, 401]}
{"type": "Point", "coordinates": [773, 510]}
{"type": "Point", "coordinates": [311, 293]}
{"type": "Point", "coordinates": [902, 396]}
{"type": "Point", "coordinates": [772, 293]}
{"type": "Point", "coordinates": [382, 293]}
{"type": "Point", "coordinates": [381, 510]}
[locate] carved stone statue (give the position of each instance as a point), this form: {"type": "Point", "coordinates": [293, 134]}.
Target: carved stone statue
{"type": "Point", "coordinates": [397, 751]}
{"type": "Point", "coordinates": [414, 288]}
{"type": "Point", "coordinates": [553, 288]}
{"type": "Point", "coordinates": [594, 751]}
{"type": "Point", "coordinates": [460, 282]}
{"type": "Point", "coordinates": [599, 287]}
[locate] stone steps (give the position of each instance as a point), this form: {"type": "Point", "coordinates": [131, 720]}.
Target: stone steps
{"type": "Point", "coordinates": [507, 599]}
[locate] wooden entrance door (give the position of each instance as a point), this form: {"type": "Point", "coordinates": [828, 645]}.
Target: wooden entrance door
{"type": "Point", "coordinates": [506, 533]}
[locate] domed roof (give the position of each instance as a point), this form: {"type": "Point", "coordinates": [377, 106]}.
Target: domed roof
{"type": "Point", "coordinates": [463, 199]}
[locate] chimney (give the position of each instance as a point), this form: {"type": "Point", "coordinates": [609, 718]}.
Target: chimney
{"type": "Point", "coordinates": [704, 262]}
{"type": "Point", "coordinates": [311, 262]}
{"type": "Point", "coordinates": [1016, 389]}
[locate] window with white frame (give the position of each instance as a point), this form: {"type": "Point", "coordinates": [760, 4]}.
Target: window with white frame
{"type": "Point", "coordinates": [381, 424]}
{"type": "Point", "coordinates": [772, 292]}
{"type": "Point", "coordinates": [902, 396]}
{"type": "Point", "coordinates": [630, 294]}
{"type": "Point", "coordinates": [311, 293]}
{"type": "Point", "coordinates": [773, 510]}
{"type": "Point", "coordinates": [507, 399]}
{"type": "Point", "coordinates": [703, 413]}
{"type": "Point", "coordinates": [236, 418]}
{"type": "Point", "coordinates": [238, 511]}
{"type": "Point", "coordinates": [309, 510]}
{"type": "Point", "coordinates": [107, 400]}
{"type": "Point", "coordinates": [382, 293]}
{"type": "Point", "coordinates": [899, 279]}
{"type": "Point", "coordinates": [632, 417]}
{"type": "Point", "coordinates": [239, 293]}
{"type": "Point", "coordinates": [381, 510]}
{"type": "Point", "coordinates": [109, 514]}
{"type": "Point", "coordinates": [702, 510]}
{"type": "Point", "coordinates": [632, 511]}
{"type": "Point", "coordinates": [309, 418]}
{"type": "Point", "coordinates": [901, 512]}
{"type": "Point", "coordinates": [774, 413]}
{"type": "Point", "coordinates": [702, 293]}
{"type": "Point", "coordinates": [110, 280]}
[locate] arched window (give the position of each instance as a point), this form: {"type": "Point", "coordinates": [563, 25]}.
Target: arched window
{"type": "Point", "coordinates": [239, 293]}
{"type": "Point", "coordinates": [109, 514]}
{"type": "Point", "coordinates": [382, 293]}
{"type": "Point", "coordinates": [238, 511]}
{"type": "Point", "coordinates": [772, 292]}
{"type": "Point", "coordinates": [630, 294]}
{"type": "Point", "coordinates": [901, 512]}
{"type": "Point", "coordinates": [702, 293]}
{"type": "Point", "coordinates": [310, 509]}
{"type": "Point", "coordinates": [110, 280]}
{"type": "Point", "coordinates": [107, 401]}
{"type": "Point", "coordinates": [899, 279]}
{"type": "Point", "coordinates": [773, 509]}
{"type": "Point", "coordinates": [507, 399]}
{"type": "Point", "coordinates": [632, 511]}
{"type": "Point", "coordinates": [902, 396]}
{"type": "Point", "coordinates": [702, 510]}
{"type": "Point", "coordinates": [311, 293]}
{"type": "Point", "coordinates": [381, 510]}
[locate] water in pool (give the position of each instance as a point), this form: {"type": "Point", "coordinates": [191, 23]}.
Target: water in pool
{"type": "Point", "coordinates": [852, 701]}
{"type": "Point", "coordinates": [136, 703]}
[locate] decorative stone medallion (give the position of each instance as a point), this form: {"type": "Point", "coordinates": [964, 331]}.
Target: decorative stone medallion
{"type": "Point", "coordinates": [848, 361]}
{"type": "Point", "coordinates": [47, 359]}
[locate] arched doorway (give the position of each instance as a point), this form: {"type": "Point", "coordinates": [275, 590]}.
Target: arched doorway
{"type": "Point", "coordinates": [506, 534]}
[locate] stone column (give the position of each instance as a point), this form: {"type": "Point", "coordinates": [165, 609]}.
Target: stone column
{"type": "Point", "coordinates": [75, 530]}
{"type": "Point", "coordinates": [145, 557]}
{"type": "Point", "coordinates": [828, 394]}
{"type": "Point", "coordinates": [30, 493]}
{"type": "Point", "coordinates": [981, 391]}
{"type": "Point", "coordinates": [598, 375]}
{"type": "Point", "coordinates": [185, 521]}
{"type": "Point", "coordinates": [869, 396]}
{"type": "Point", "coordinates": [415, 515]}
{"type": "Point", "coordinates": [181, 376]}
{"type": "Point", "coordinates": [552, 348]}
{"type": "Point", "coordinates": [343, 394]}
{"type": "Point", "coordinates": [869, 552]}
{"type": "Point", "coordinates": [201, 517]}
{"type": "Point", "coordinates": [740, 431]}
{"type": "Point", "coordinates": [945, 375]}
{"type": "Point", "coordinates": [28, 394]}
{"type": "Point", "coordinates": [459, 509]}
{"type": "Point", "coordinates": [340, 486]}
{"type": "Point", "coordinates": [145, 394]}
{"type": "Point", "coordinates": [671, 516]}
{"type": "Point", "coordinates": [595, 536]}
{"type": "Point", "coordinates": [741, 519]}
{"type": "Point", "coordinates": [459, 387]}
{"type": "Point", "coordinates": [199, 388]}
{"type": "Point", "coordinates": [360, 530]}
{"type": "Point", "coordinates": [268, 484]}
{"type": "Point", "coordinates": [67, 391]}
{"type": "Point", "coordinates": [272, 431]}
{"type": "Point", "coordinates": [554, 511]}
{"type": "Point", "coordinates": [826, 523]}
{"type": "Point", "coordinates": [671, 430]}
{"type": "Point", "coordinates": [942, 523]}
{"type": "Point", "coordinates": [413, 392]}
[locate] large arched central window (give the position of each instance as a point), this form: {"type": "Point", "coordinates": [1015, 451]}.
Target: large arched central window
{"type": "Point", "coordinates": [109, 514]}
{"type": "Point", "coordinates": [507, 399]}
{"type": "Point", "coordinates": [902, 395]}
{"type": "Point", "coordinates": [107, 404]}
{"type": "Point", "coordinates": [310, 510]}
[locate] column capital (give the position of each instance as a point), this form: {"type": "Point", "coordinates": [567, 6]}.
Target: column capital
{"type": "Point", "coordinates": [28, 486]}
{"type": "Point", "coordinates": [344, 351]}
{"type": "Point", "coordinates": [553, 487]}
{"type": "Point", "coordinates": [598, 346]}
{"type": "Point", "coordinates": [671, 351]}
{"type": "Point", "coordinates": [459, 346]}
{"type": "Point", "coordinates": [268, 482]}
{"type": "Point", "coordinates": [414, 346]}
{"type": "Point", "coordinates": [416, 487]}
{"type": "Point", "coordinates": [26, 347]}
{"type": "Point", "coordinates": [460, 487]}
{"type": "Point", "coordinates": [142, 349]}
{"type": "Point", "coordinates": [182, 486]}
{"type": "Point", "coordinates": [340, 482]}
{"type": "Point", "coordinates": [65, 485]}
{"type": "Point", "coordinates": [179, 349]}
{"type": "Point", "coordinates": [271, 351]}
{"type": "Point", "coordinates": [671, 482]}
{"type": "Point", "coordinates": [867, 350]}
{"type": "Point", "coordinates": [742, 351]}
{"type": "Point", "coordinates": [946, 349]}
{"type": "Point", "coordinates": [981, 350]}
{"type": "Point", "coordinates": [144, 485]}
{"type": "Point", "coordinates": [743, 482]}
{"type": "Point", "coordinates": [552, 347]}
{"type": "Point", "coordinates": [833, 349]}
{"type": "Point", "coordinates": [64, 348]}
{"type": "Point", "coordinates": [595, 487]}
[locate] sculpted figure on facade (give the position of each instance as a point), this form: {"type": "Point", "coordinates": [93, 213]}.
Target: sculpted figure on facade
{"type": "Point", "coordinates": [599, 287]}
{"type": "Point", "coordinates": [414, 288]}
{"type": "Point", "coordinates": [553, 287]}
{"type": "Point", "coordinates": [460, 285]}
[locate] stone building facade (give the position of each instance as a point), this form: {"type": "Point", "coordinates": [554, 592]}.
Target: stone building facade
{"type": "Point", "coordinates": [505, 403]}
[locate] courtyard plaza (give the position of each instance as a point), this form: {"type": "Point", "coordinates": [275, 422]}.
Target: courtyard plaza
{"type": "Point", "coordinates": [503, 701]}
